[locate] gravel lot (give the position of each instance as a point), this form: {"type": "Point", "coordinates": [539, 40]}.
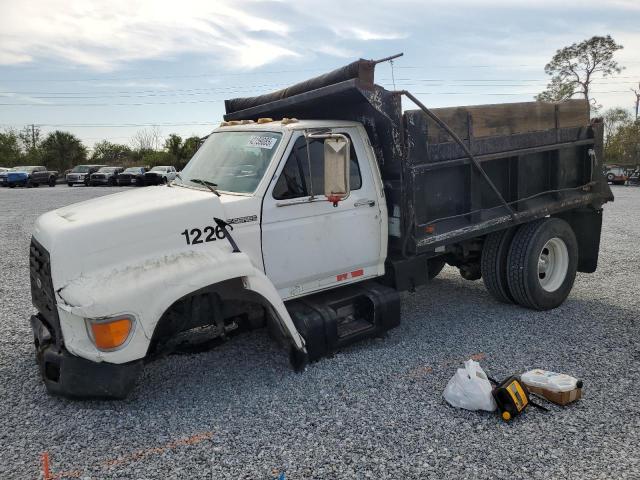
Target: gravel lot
{"type": "Point", "coordinates": [372, 411]}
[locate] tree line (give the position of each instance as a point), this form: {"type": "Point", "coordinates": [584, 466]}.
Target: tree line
{"type": "Point", "coordinates": [572, 69]}
{"type": "Point", "coordinates": [61, 151]}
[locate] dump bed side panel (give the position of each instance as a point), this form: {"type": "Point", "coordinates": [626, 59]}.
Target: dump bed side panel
{"type": "Point", "coordinates": [536, 154]}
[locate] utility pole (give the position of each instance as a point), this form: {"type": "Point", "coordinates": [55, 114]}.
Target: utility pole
{"type": "Point", "coordinates": [637, 94]}
{"type": "Point", "coordinates": [33, 132]}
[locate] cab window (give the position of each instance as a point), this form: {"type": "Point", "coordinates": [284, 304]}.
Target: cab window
{"type": "Point", "coordinates": [295, 180]}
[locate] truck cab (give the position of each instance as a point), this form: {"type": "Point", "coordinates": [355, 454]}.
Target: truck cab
{"type": "Point", "coordinates": [81, 174]}
{"type": "Point", "coordinates": [274, 174]}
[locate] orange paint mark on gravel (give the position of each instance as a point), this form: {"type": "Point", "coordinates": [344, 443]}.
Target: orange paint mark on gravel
{"type": "Point", "coordinates": [130, 458]}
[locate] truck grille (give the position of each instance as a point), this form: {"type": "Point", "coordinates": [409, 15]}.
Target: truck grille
{"type": "Point", "coordinates": [98, 176]}
{"type": "Point", "coordinates": [42, 294]}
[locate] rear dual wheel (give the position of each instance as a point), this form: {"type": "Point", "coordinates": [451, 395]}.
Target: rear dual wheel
{"type": "Point", "coordinates": [533, 265]}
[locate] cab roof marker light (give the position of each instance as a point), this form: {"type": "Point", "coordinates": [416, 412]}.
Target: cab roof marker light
{"type": "Point", "coordinates": [286, 121]}
{"type": "Point", "coordinates": [265, 120]}
{"type": "Point", "coordinates": [247, 122]}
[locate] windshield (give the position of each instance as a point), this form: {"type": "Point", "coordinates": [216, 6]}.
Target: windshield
{"type": "Point", "coordinates": [107, 169]}
{"type": "Point", "coordinates": [133, 170]}
{"type": "Point", "coordinates": [234, 161]}
{"type": "Point", "coordinates": [80, 169]}
{"type": "Point", "coordinates": [22, 169]}
{"type": "Point", "coordinates": [159, 169]}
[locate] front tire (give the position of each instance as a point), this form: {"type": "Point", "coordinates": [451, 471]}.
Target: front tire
{"type": "Point", "coordinates": [542, 263]}
{"type": "Point", "coordinates": [52, 182]}
{"type": "Point", "coordinates": [70, 184]}
{"type": "Point", "coordinates": [493, 264]}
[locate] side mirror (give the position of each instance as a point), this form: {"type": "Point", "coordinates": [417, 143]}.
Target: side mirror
{"type": "Point", "coordinates": [336, 168]}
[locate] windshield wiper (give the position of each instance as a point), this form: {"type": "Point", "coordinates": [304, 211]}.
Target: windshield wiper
{"type": "Point", "coordinates": [210, 185]}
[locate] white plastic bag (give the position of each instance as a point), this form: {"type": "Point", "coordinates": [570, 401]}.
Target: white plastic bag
{"type": "Point", "coordinates": [470, 389]}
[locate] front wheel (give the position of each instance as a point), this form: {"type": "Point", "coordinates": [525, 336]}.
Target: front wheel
{"type": "Point", "coordinates": [52, 182]}
{"type": "Point", "coordinates": [542, 263]}
{"type": "Point", "coordinates": [610, 177]}
{"type": "Point", "coordinates": [69, 184]}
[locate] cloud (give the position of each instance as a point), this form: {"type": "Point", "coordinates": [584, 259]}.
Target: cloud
{"type": "Point", "coordinates": [358, 33]}
{"type": "Point", "coordinates": [104, 35]}
{"type": "Point", "coordinates": [239, 34]}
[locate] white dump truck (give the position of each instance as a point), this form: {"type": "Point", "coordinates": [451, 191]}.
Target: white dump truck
{"type": "Point", "coordinates": [307, 210]}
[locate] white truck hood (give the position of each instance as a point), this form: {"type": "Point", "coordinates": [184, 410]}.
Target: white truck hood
{"type": "Point", "coordinates": [128, 227]}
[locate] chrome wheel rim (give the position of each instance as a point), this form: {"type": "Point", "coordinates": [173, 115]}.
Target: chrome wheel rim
{"type": "Point", "coordinates": [553, 264]}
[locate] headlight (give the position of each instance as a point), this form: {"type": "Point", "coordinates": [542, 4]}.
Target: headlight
{"type": "Point", "coordinates": [110, 333]}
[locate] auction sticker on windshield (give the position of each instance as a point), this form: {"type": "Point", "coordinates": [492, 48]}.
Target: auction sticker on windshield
{"type": "Point", "coordinates": [262, 142]}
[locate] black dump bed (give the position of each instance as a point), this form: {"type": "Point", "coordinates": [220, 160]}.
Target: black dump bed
{"type": "Point", "coordinates": [542, 158]}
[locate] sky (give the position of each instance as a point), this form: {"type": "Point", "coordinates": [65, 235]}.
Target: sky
{"type": "Point", "coordinates": [106, 69]}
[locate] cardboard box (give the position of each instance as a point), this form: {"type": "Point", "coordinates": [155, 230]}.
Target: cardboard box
{"type": "Point", "coordinates": [559, 398]}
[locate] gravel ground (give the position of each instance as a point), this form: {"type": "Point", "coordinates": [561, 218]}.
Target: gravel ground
{"type": "Point", "coordinates": [374, 410]}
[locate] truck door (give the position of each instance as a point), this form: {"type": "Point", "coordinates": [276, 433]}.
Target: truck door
{"type": "Point", "coordinates": [307, 243]}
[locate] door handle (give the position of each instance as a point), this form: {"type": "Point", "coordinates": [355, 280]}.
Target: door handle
{"type": "Point", "coordinates": [364, 203]}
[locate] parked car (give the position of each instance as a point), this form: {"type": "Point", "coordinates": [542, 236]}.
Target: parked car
{"type": "Point", "coordinates": [105, 176]}
{"type": "Point", "coordinates": [132, 176]}
{"type": "Point", "coordinates": [616, 175]}
{"type": "Point", "coordinates": [158, 175]}
{"type": "Point", "coordinates": [80, 174]}
{"type": "Point", "coordinates": [28, 177]}
{"type": "Point", "coordinates": [634, 177]}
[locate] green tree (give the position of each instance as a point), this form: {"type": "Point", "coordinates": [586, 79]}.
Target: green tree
{"type": "Point", "coordinates": [557, 91]}
{"type": "Point", "coordinates": [190, 147]}
{"type": "Point", "coordinates": [614, 119]}
{"type": "Point", "coordinates": [173, 145]}
{"type": "Point", "coordinates": [623, 148]}
{"type": "Point", "coordinates": [62, 150]}
{"type": "Point", "coordinates": [10, 151]}
{"type": "Point", "coordinates": [573, 68]}
{"type": "Point", "coordinates": [152, 159]}
{"type": "Point", "coordinates": [111, 153]}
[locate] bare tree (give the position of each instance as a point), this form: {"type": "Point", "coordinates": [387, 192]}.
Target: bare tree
{"type": "Point", "coordinates": [148, 139]}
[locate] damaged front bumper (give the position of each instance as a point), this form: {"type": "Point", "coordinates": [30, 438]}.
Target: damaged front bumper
{"type": "Point", "coordinates": [71, 376]}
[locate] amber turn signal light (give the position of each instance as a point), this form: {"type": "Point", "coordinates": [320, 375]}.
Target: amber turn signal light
{"type": "Point", "coordinates": [110, 334]}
